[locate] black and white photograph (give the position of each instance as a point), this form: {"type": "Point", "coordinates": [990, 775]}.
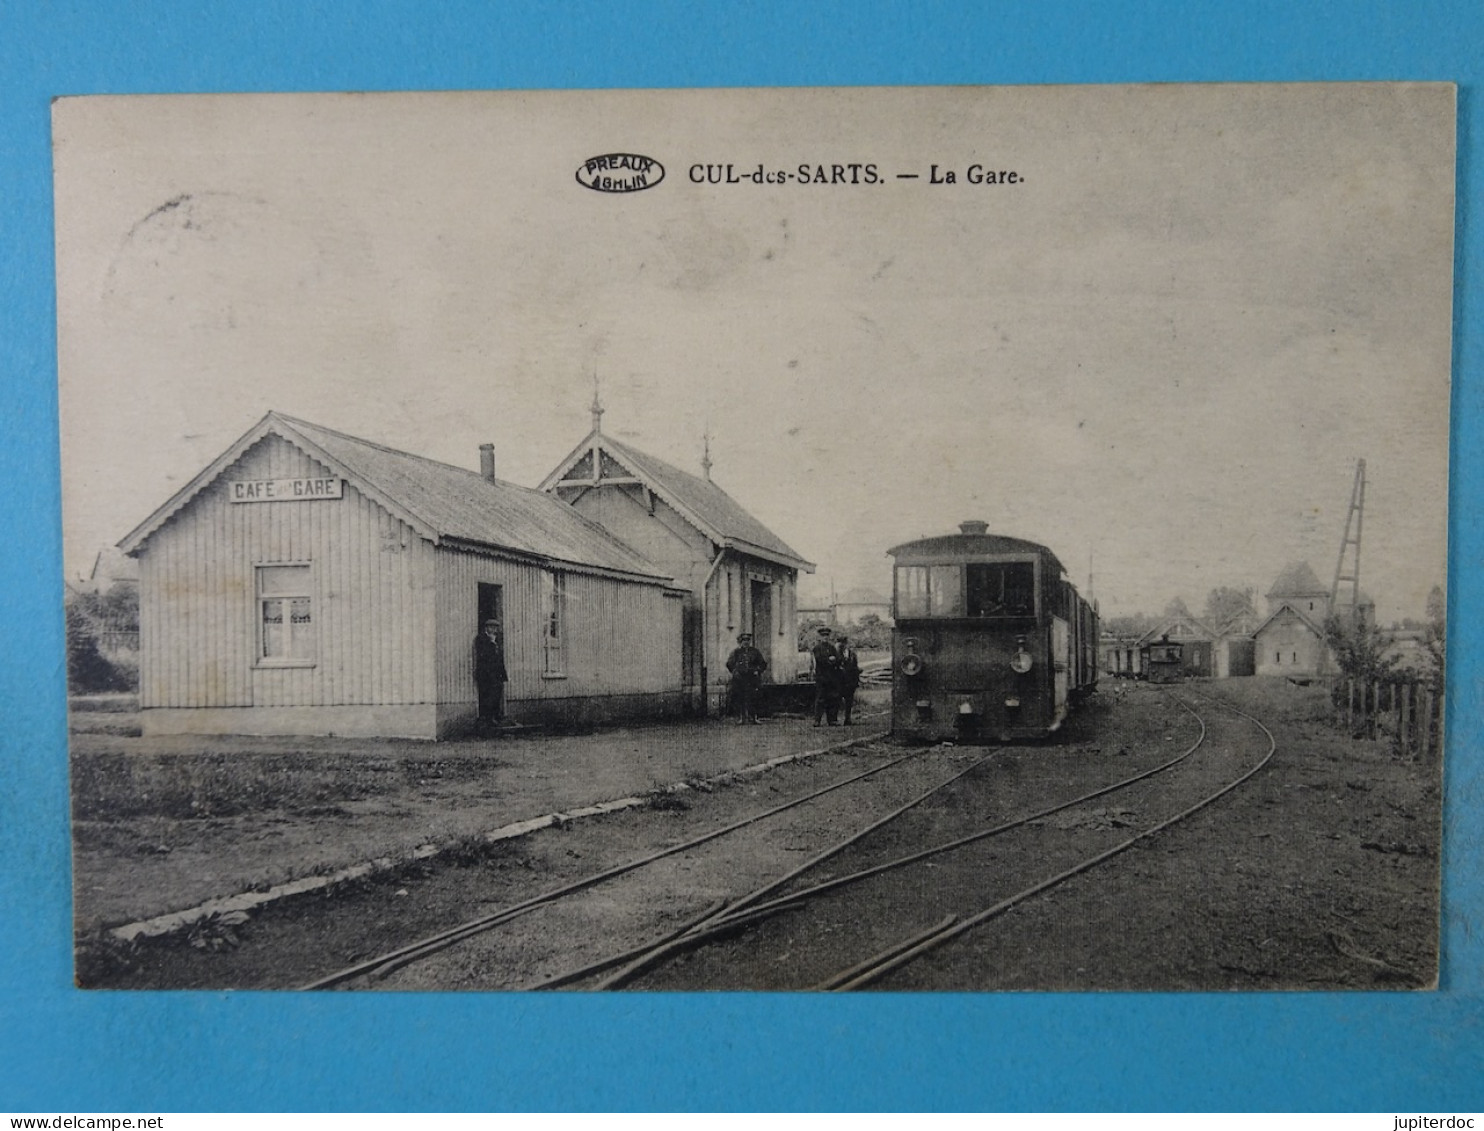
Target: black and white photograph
{"type": "Point", "coordinates": [905, 539]}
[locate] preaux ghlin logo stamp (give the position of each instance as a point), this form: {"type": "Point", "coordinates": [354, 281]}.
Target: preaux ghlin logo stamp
{"type": "Point", "coordinates": [620, 172]}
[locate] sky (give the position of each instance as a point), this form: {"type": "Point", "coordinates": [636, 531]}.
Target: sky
{"type": "Point", "coordinates": [1159, 352]}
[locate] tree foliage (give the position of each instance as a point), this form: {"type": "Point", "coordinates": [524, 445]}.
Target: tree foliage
{"type": "Point", "coordinates": [1359, 649]}
{"type": "Point", "coordinates": [1224, 604]}
{"type": "Point", "coordinates": [1435, 639]}
{"type": "Point", "coordinates": [89, 667]}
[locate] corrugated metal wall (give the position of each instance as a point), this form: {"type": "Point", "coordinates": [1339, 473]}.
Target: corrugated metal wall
{"type": "Point", "coordinates": [372, 588]}
{"type": "Point", "coordinates": [620, 638]}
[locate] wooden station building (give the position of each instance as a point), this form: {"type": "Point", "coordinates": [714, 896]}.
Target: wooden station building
{"type": "Point", "coordinates": [738, 575]}
{"type": "Point", "coordinates": [309, 582]}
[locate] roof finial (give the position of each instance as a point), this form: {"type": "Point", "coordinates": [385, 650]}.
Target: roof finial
{"type": "Point", "coordinates": [706, 455]}
{"type": "Point", "coordinates": [597, 405]}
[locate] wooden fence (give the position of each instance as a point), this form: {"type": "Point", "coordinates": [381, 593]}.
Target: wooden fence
{"type": "Point", "coordinates": [1410, 713]}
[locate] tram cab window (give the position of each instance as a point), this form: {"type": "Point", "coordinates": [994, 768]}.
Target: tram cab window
{"type": "Point", "coordinates": [912, 591]}
{"type": "Point", "coordinates": [930, 591]}
{"type": "Point", "coordinates": [946, 591]}
{"type": "Point", "coordinates": [1002, 589]}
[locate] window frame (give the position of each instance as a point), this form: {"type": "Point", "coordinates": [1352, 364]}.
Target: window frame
{"type": "Point", "coordinates": [925, 608]}
{"type": "Point", "coordinates": [305, 593]}
{"type": "Point", "coordinates": [553, 624]}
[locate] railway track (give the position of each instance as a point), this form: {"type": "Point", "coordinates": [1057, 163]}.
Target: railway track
{"type": "Point", "coordinates": [907, 950]}
{"type": "Point", "coordinates": [787, 893]}
{"type": "Point", "coordinates": [742, 912]}
{"type": "Point", "coordinates": [384, 964]}
{"type": "Point", "coordinates": [753, 908]}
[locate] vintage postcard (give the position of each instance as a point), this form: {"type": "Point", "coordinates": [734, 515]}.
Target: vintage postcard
{"type": "Point", "coordinates": [936, 539]}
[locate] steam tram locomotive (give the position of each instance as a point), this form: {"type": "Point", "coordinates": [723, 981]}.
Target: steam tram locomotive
{"type": "Point", "coordinates": [991, 641]}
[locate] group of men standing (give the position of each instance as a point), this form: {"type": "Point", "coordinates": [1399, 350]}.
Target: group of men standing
{"type": "Point", "coordinates": [837, 674]}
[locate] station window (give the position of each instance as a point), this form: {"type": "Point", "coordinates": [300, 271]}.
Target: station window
{"type": "Point", "coordinates": [285, 615]}
{"type": "Point", "coordinates": [554, 607]}
{"type": "Point", "coordinates": [1002, 589]}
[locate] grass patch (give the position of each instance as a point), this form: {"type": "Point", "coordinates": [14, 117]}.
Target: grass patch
{"type": "Point", "coordinates": [116, 786]}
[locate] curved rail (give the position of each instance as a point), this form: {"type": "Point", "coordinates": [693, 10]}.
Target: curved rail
{"type": "Point", "coordinates": [901, 953]}
{"type": "Point", "coordinates": [384, 964]}
{"type": "Point", "coordinates": [645, 957]}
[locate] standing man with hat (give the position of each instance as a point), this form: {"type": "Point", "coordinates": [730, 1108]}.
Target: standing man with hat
{"type": "Point", "coordinates": [489, 676]}
{"type": "Point", "coordinates": [826, 679]}
{"type": "Point", "coordinates": [747, 665]}
{"type": "Point", "coordinates": [850, 677]}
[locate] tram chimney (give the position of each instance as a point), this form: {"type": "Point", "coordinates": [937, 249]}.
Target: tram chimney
{"type": "Point", "coordinates": [974, 526]}
{"type": "Point", "coordinates": [487, 461]}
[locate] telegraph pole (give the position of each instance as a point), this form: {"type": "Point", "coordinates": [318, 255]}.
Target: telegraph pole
{"type": "Point", "coordinates": [1354, 522]}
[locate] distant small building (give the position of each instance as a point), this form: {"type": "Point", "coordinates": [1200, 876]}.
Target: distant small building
{"type": "Point", "coordinates": [1236, 646]}
{"type": "Point", "coordinates": [309, 582]}
{"type": "Point", "coordinates": [857, 604]}
{"type": "Point", "coordinates": [738, 575]}
{"type": "Point", "coordinates": [111, 568]}
{"type": "Point", "coordinates": [1408, 648]}
{"type": "Point", "coordinates": [1121, 655]}
{"type": "Point", "coordinates": [1288, 643]}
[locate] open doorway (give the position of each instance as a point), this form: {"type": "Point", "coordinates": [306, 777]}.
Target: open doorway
{"type": "Point", "coordinates": [762, 623]}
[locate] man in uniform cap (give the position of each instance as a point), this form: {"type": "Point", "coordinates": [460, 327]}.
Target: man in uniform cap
{"type": "Point", "coordinates": [826, 679]}
{"type": "Point", "coordinates": [746, 664]}
{"type": "Point", "coordinates": [489, 676]}
{"type": "Point", "coordinates": [850, 677]}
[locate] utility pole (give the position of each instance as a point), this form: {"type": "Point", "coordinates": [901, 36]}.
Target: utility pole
{"type": "Point", "coordinates": [1354, 521]}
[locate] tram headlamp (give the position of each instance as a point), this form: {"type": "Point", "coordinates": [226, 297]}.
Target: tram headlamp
{"type": "Point", "coordinates": [911, 664]}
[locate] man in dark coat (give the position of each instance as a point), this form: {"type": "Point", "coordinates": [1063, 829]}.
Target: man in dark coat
{"type": "Point", "coordinates": [747, 665]}
{"type": "Point", "coordinates": [850, 677]}
{"type": "Point", "coordinates": [490, 676]}
{"type": "Point", "coordinates": [826, 679]}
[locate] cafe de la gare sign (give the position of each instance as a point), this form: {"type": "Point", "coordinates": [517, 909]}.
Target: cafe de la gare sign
{"type": "Point", "coordinates": [284, 490]}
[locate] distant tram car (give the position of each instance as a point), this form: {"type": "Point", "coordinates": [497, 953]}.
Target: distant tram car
{"type": "Point", "coordinates": [991, 641]}
{"type": "Point", "coordinates": [1164, 661]}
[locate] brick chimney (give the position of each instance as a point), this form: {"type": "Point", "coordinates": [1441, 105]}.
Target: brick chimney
{"type": "Point", "coordinates": [487, 461]}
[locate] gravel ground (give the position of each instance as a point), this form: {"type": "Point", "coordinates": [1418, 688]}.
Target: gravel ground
{"type": "Point", "coordinates": [1322, 872]}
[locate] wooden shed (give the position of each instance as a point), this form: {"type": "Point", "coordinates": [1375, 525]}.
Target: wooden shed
{"type": "Point", "coordinates": [738, 575]}
{"type": "Point", "coordinates": [309, 582]}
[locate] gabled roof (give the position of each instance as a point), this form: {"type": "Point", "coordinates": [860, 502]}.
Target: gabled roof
{"type": "Point", "coordinates": [863, 597]}
{"type": "Point", "coordinates": [443, 503]}
{"type": "Point", "coordinates": [1286, 607]}
{"type": "Point", "coordinates": [699, 501]}
{"type": "Point", "coordinates": [1165, 627]}
{"type": "Point", "coordinates": [1243, 624]}
{"type": "Point", "coordinates": [1297, 580]}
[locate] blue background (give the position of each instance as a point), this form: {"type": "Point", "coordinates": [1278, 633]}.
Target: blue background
{"type": "Point", "coordinates": [65, 1050]}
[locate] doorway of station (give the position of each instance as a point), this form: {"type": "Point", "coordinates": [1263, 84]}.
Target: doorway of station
{"type": "Point", "coordinates": [492, 607]}
{"type": "Point", "coordinates": [762, 624]}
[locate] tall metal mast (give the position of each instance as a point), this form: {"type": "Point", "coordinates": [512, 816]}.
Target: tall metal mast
{"type": "Point", "coordinates": [1354, 521]}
